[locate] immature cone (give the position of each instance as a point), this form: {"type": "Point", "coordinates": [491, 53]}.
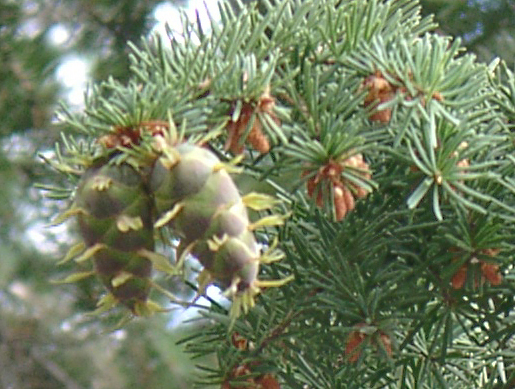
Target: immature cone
{"type": "Point", "coordinates": [115, 221]}
{"type": "Point", "coordinates": [195, 195]}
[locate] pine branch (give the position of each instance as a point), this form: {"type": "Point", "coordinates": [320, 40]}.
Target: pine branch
{"type": "Point", "coordinates": [393, 152]}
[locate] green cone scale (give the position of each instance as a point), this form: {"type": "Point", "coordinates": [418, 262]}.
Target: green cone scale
{"type": "Point", "coordinates": [115, 220]}
{"type": "Point", "coordinates": [232, 259]}
{"type": "Point", "coordinates": [200, 209]}
{"type": "Point", "coordinates": [187, 178]}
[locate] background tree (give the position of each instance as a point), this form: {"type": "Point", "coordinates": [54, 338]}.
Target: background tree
{"type": "Point", "coordinates": [485, 26]}
{"type": "Point", "coordinates": [30, 316]}
{"type": "Point", "coordinates": [46, 341]}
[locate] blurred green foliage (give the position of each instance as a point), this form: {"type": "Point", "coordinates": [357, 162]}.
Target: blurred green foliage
{"type": "Point", "coordinates": [46, 341]}
{"type": "Point", "coordinates": [487, 27]}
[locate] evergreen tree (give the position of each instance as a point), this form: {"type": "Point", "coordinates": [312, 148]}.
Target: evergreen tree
{"type": "Point", "coordinates": [386, 155]}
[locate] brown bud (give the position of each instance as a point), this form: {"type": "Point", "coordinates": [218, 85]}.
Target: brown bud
{"type": "Point", "coordinates": [491, 272]}
{"type": "Point", "coordinates": [312, 184]}
{"type": "Point", "coordinates": [343, 200]}
{"type": "Point", "coordinates": [383, 116]}
{"type": "Point", "coordinates": [235, 130]}
{"type": "Point", "coordinates": [329, 178]}
{"type": "Point", "coordinates": [379, 90]}
{"type": "Point", "coordinates": [459, 278]}
{"type": "Point", "coordinates": [352, 348]}
{"type": "Point", "coordinates": [258, 139]}
{"type": "Point", "coordinates": [267, 381]}
{"type": "Point", "coordinates": [491, 252]}
{"type": "Point", "coordinates": [361, 192]}
{"type": "Point", "coordinates": [128, 136]}
{"type": "Point", "coordinates": [437, 96]}
{"type": "Point", "coordinates": [239, 341]}
{"type": "Point", "coordinates": [340, 204]}
{"type": "Point", "coordinates": [239, 371]}
{"type": "Point", "coordinates": [386, 342]}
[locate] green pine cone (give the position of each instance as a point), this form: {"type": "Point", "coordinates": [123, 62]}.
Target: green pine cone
{"type": "Point", "coordinates": [211, 211]}
{"type": "Point", "coordinates": [116, 217]}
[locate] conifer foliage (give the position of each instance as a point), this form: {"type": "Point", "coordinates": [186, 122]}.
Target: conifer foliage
{"type": "Point", "coordinates": [381, 255]}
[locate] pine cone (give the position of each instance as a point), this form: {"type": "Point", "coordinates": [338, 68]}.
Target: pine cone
{"type": "Point", "coordinates": [115, 221]}
{"type": "Point", "coordinates": [195, 195]}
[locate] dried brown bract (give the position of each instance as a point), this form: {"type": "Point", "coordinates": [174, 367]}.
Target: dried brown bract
{"type": "Point", "coordinates": [380, 91]}
{"type": "Point", "coordinates": [328, 179]}
{"type": "Point", "coordinates": [489, 271]}
{"type": "Point", "coordinates": [256, 137]}
{"type": "Point", "coordinates": [379, 339]}
{"type": "Point", "coordinates": [129, 136]}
